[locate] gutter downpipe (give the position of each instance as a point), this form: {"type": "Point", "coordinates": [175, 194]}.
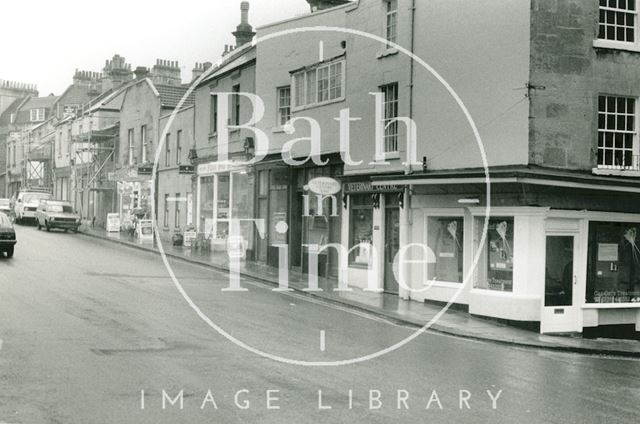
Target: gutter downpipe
{"type": "Point", "coordinates": [405, 210]}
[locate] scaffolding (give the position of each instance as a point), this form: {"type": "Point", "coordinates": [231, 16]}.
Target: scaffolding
{"type": "Point", "coordinates": [94, 152]}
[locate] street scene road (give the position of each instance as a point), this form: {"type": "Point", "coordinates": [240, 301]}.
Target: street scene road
{"type": "Point", "coordinates": [87, 326]}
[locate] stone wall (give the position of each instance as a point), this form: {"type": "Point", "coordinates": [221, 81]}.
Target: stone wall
{"type": "Point", "coordinates": [567, 75]}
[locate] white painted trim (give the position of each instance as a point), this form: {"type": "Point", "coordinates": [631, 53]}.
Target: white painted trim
{"type": "Point", "coordinates": [497, 293]}
{"type": "Point", "coordinates": [611, 306]}
{"type": "Point", "coordinates": [569, 184]}
{"type": "Point", "coordinates": [497, 211]}
{"type": "Point", "coordinates": [616, 45]}
{"type": "Point", "coordinates": [595, 215]}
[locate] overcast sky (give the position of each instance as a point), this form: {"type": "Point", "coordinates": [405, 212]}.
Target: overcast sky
{"type": "Point", "coordinates": [44, 41]}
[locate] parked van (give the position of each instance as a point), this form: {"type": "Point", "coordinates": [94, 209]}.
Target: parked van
{"type": "Point", "coordinates": [27, 202]}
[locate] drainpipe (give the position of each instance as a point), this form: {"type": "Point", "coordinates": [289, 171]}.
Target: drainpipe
{"type": "Point", "coordinates": [409, 169]}
{"type": "Point", "coordinates": [405, 210]}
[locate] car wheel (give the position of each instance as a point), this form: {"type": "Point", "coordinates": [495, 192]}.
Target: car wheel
{"type": "Point", "coordinates": [46, 225]}
{"type": "Point", "coordinates": [38, 225]}
{"type": "Point", "coordinates": [18, 220]}
{"type": "Point", "coordinates": [10, 252]}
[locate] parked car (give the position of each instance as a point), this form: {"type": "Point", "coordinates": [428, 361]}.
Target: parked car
{"type": "Point", "coordinates": [7, 235]}
{"type": "Point", "coordinates": [5, 207]}
{"type": "Point", "coordinates": [57, 214]}
{"type": "Point", "coordinates": [27, 203]}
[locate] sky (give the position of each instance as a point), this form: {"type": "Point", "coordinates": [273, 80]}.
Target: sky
{"type": "Point", "coordinates": [44, 41]}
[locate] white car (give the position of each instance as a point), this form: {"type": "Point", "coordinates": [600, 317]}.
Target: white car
{"type": "Point", "coordinates": [27, 203]}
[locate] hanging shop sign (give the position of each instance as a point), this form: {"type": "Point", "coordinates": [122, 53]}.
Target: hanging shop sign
{"type": "Point", "coordinates": [368, 187]}
{"type": "Point", "coordinates": [186, 169]}
{"type": "Point", "coordinates": [113, 222]}
{"type": "Point", "coordinates": [324, 186]}
{"type": "Point", "coordinates": [145, 170]}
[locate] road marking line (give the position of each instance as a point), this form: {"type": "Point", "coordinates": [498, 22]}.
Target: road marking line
{"type": "Point", "coordinates": [322, 341]}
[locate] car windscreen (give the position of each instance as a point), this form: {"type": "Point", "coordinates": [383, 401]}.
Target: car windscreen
{"type": "Point", "coordinates": [59, 208]}
{"type": "Point", "coordinates": [30, 198]}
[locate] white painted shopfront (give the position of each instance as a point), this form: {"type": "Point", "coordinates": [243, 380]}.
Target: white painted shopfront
{"type": "Point", "coordinates": [566, 270]}
{"type": "Point", "coordinates": [225, 192]}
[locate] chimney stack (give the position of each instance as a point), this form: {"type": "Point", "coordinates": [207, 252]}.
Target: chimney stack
{"type": "Point", "coordinates": [166, 72]}
{"type": "Point", "coordinates": [244, 32]}
{"type": "Point", "coordinates": [141, 72]}
{"type": "Point", "coordinates": [199, 69]}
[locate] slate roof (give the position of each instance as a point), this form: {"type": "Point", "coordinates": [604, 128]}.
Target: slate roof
{"type": "Point", "coordinates": [171, 95]}
{"type": "Point", "coordinates": [39, 102]}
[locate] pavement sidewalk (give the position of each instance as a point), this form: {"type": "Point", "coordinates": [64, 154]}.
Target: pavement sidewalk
{"type": "Point", "coordinates": [456, 323]}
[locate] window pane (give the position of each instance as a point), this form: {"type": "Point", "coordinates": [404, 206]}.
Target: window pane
{"type": "Point", "coordinates": [495, 270]}
{"type": "Point", "coordinates": [613, 267]}
{"type": "Point", "coordinates": [360, 228]}
{"type": "Point", "coordinates": [445, 239]}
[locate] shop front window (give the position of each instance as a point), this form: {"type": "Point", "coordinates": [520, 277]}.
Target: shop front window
{"type": "Point", "coordinates": [361, 229]}
{"type": "Point", "coordinates": [222, 227]}
{"type": "Point", "coordinates": [242, 202]}
{"type": "Point", "coordinates": [445, 237]}
{"type": "Point", "coordinates": [495, 265]}
{"type": "Point", "coordinates": [206, 206]}
{"type": "Point", "coordinates": [279, 180]}
{"type": "Point", "coordinates": [613, 265]}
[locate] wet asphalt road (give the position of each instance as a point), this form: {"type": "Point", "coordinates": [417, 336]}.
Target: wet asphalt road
{"type": "Point", "coordinates": [86, 325]}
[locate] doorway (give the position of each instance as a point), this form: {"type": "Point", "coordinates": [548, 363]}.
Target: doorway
{"type": "Point", "coordinates": [560, 310]}
{"type": "Point", "coordinates": [391, 242]}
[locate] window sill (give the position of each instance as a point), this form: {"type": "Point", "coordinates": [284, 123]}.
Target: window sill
{"type": "Point", "coordinates": [359, 266]}
{"type": "Point", "coordinates": [611, 305]}
{"type": "Point", "coordinates": [616, 172]}
{"type": "Point", "coordinates": [315, 105]}
{"type": "Point", "coordinates": [616, 45]}
{"type": "Point", "coordinates": [387, 52]}
{"type": "Point", "coordinates": [392, 155]}
{"type": "Point", "coordinates": [278, 130]}
{"type": "Point", "coordinates": [443, 284]}
{"type": "Point", "coordinates": [491, 292]}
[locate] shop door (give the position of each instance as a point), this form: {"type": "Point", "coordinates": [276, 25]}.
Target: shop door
{"type": "Point", "coordinates": [391, 246]}
{"type": "Point", "coordinates": [561, 306]}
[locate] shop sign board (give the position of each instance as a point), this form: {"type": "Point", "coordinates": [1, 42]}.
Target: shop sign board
{"type": "Point", "coordinates": [368, 187]}
{"type": "Point", "coordinates": [189, 237]}
{"type": "Point", "coordinates": [113, 222]}
{"type": "Point", "coordinates": [145, 229]}
{"type": "Point", "coordinates": [214, 167]}
{"type": "Point", "coordinates": [324, 186]}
